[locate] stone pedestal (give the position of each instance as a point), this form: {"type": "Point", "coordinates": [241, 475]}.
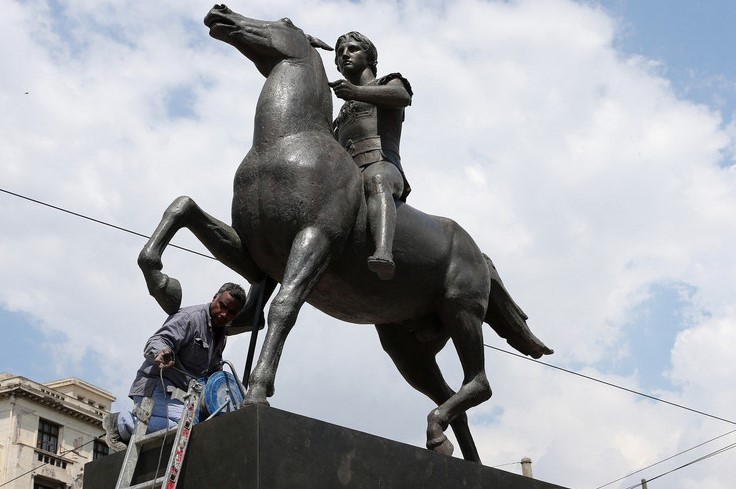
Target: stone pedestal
{"type": "Point", "coordinates": [260, 447]}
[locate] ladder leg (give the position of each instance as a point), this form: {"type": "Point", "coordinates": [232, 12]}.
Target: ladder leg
{"type": "Point", "coordinates": [143, 415]}
{"type": "Point", "coordinates": [178, 450]}
{"type": "Point", "coordinates": [181, 441]}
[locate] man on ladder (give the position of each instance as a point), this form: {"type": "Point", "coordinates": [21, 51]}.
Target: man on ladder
{"type": "Point", "coordinates": [188, 346]}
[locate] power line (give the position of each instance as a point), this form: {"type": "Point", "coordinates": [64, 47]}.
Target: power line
{"type": "Point", "coordinates": [700, 459]}
{"type": "Point", "coordinates": [135, 233]}
{"type": "Point", "coordinates": [610, 384]}
{"type": "Point", "coordinates": [46, 463]}
{"type": "Point", "coordinates": [666, 459]}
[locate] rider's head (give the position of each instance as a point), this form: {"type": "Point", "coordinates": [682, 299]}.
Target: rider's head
{"type": "Point", "coordinates": [371, 53]}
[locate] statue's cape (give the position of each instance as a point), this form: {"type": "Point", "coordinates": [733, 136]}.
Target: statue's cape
{"type": "Point", "coordinates": [395, 76]}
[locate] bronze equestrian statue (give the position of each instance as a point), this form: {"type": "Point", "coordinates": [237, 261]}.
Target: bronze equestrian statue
{"type": "Point", "coordinates": [299, 216]}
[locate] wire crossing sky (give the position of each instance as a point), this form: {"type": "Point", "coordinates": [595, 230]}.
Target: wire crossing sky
{"type": "Point", "coordinates": [547, 364]}
{"type": "Point", "coordinates": [561, 369]}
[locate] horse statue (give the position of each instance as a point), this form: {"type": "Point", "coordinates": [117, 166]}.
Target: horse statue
{"type": "Point", "coordinates": [299, 217]}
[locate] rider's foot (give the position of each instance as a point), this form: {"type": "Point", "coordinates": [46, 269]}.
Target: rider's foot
{"type": "Point", "coordinates": [382, 265]}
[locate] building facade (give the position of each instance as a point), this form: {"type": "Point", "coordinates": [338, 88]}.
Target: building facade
{"type": "Point", "coordinates": [48, 431]}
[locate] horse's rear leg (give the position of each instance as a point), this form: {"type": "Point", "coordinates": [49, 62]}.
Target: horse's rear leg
{"type": "Point", "coordinates": [465, 327]}
{"type": "Point", "coordinates": [308, 259]}
{"type": "Point", "coordinates": [219, 238]}
{"type": "Point", "coordinates": [416, 362]}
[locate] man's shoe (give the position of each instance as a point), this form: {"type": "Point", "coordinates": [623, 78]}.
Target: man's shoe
{"type": "Point", "coordinates": [112, 435]}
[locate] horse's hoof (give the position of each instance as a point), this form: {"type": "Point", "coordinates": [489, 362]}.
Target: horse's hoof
{"type": "Point", "coordinates": [441, 445]}
{"type": "Point", "coordinates": [247, 402]}
{"type": "Point", "coordinates": [254, 400]}
{"type": "Point", "coordinates": [382, 267]}
{"type": "Point", "coordinates": [167, 293]}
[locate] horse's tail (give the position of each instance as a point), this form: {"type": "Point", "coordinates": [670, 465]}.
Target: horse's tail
{"type": "Point", "coordinates": [508, 320]}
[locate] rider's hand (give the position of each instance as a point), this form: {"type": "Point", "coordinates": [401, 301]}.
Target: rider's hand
{"type": "Point", "coordinates": [165, 358]}
{"type": "Point", "coordinates": [344, 89]}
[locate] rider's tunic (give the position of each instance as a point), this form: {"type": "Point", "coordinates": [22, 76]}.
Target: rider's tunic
{"type": "Point", "coordinates": [372, 134]}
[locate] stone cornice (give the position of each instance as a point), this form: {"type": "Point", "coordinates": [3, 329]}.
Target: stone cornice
{"type": "Point", "coordinates": [40, 394]}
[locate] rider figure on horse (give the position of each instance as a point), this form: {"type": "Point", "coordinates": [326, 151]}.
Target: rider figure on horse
{"type": "Point", "coordinates": [369, 128]}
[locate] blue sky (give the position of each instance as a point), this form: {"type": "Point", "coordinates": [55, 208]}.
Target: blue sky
{"type": "Point", "coordinates": [691, 38]}
{"type": "Point", "coordinates": [592, 144]}
{"type": "Point", "coordinates": [25, 349]}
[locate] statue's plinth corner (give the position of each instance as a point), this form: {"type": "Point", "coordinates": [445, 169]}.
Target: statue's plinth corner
{"type": "Point", "coordinates": [259, 447]}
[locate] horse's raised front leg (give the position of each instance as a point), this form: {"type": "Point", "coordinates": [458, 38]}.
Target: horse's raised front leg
{"type": "Point", "coordinates": [308, 259]}
{"type": "Point", "coordinates": [219, 238]}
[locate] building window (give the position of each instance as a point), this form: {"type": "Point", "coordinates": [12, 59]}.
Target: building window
{"type": "Point", "coordinates": [48, 436]}
{"type": "Point", "coordinates": [100, 450]}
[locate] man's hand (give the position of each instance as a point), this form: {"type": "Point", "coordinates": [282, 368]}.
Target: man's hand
{"type": "Point", "coordinates": [344, 89]}
{"type": "Point", "coordinates": [165, 358]}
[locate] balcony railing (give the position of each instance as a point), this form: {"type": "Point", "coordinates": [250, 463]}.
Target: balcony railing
{"type": "Point", "coordinates": [52, 459]}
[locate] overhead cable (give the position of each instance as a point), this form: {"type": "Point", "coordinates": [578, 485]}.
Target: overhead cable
{"type": "Point", "coordinates": [610, 384]}
{"type": "Point", "coordinates": [665, 459]}
{"type": "Point", "coordinates": [98, 221]}
{"type": "Point", "coordinates": [46, 463]}
{"type": "Point", "coordinates": [700, 459]}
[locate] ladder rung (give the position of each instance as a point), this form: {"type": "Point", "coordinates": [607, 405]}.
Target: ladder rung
{"type": "Point", "coordinates": [151, 437]}
{"type": "Point", "coordinates": [147, 485]}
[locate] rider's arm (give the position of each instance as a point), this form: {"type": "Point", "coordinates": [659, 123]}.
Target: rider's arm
{"type": "Point", "coordinates": [393, 94]}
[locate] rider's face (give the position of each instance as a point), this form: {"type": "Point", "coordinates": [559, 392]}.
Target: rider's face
{"type": "Point", "coordinates": [351, 58]}
{"type": "Point", "coordinates": [223, 309]}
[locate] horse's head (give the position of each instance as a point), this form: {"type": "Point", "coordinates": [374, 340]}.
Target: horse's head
{"type": "Point", "coordinates": [263, 42]}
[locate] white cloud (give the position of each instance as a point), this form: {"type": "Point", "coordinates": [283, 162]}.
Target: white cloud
{"type": "Point", "coordinates": [577, 169]}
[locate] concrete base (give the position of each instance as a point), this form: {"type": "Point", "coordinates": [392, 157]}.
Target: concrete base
{"type": "Point", "coordinates": [259, 447]}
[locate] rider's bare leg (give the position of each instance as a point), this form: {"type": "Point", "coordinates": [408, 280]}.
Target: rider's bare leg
{"type": "Point", "coordinates": [383, 184]}
{"type": "Point", "coordinates": [382, 220]}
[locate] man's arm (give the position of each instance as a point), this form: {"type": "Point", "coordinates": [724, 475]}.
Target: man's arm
{"type": "Point", "coordinates": [161, 348]}
{"type": "Point", "coordinates": [392, 95]}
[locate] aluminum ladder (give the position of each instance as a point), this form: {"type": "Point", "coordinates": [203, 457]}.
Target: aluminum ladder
{"type": "Point", "coordinates": [139, 439]}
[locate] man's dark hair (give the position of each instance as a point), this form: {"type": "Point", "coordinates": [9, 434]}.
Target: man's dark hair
{"type": "Point", "coordinates": [371, 53]}
{"type": "Point", "coordinates": [235, 290]}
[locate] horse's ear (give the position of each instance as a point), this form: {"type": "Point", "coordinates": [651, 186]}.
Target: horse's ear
{"type": "Point", "coordinates": [318, 43]}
